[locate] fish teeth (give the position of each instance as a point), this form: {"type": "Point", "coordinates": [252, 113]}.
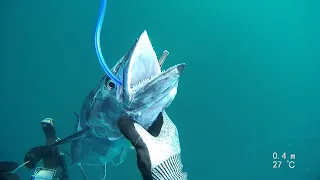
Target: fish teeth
{"type": "Point", "coordinates": [144, 81]}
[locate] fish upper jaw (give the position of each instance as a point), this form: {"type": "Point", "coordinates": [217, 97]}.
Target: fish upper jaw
{"type": "Point", "coordinates": [143, 81]}
{"type": "Point", "coordinates": [141, 64]}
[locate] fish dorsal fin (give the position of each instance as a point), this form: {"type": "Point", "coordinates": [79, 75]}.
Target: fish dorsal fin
{"type": "Point", "coordinates": [76, 114]}
{"type": "Point", "coordinates": [78, 126]}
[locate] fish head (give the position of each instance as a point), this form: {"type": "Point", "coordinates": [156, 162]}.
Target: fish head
{"type": "Point", "coordinates": [102, 109]}
{"type": "Point", "coordinates": [145, 91]}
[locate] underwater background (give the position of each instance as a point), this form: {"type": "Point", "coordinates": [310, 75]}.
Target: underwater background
{"type": "Point", "coordinates": [250, 87]}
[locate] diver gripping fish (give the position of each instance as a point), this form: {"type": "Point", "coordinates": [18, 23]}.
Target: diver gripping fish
{"type": "Point", "coordinates": [146, 91]}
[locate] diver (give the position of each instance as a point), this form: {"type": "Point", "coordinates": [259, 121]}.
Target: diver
{"type": "Point", "coordinates": [53, 159]}
{"type": "Point", "coordinates": [54, 165]}
{"type": "Point", "coordinates": [158, 149]}
{"type": "Point", "coordinates": [7, 170]}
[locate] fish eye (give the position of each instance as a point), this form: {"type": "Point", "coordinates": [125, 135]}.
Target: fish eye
{"type": "Point", "coordinates": [110, 85]}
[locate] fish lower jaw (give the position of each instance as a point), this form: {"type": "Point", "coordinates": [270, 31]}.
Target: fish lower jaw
{"type": "Point", "coordinates": [142, 83]}
{"type": "Point", "coordinates": [134, 88]}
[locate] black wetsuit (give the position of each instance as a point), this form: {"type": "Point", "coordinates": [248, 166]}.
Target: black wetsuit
{"type": "Point", "coordinates": [52, 157]}
{"type": "Point", "coordinates": [56, 160]}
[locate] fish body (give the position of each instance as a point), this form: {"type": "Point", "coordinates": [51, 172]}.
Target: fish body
{"type": "Point", "coordinates": [146, 91]}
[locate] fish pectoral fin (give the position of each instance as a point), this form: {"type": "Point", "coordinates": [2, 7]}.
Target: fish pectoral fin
{"type": "Point", "coordinates": [120, 157]}
{"type": "Point", "coordinates": [103, 172]}
{"type": "Point", "coordinates": [72, 137]}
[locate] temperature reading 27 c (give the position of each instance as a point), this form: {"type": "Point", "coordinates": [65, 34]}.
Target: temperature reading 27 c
{"type": "Point", "coordinates": [283, 159]}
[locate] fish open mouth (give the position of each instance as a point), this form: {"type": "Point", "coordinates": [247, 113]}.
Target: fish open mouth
{"type": "Point", "coordinates": [143, 66]}
{"type": "Point", "coordinates": [143, 63]}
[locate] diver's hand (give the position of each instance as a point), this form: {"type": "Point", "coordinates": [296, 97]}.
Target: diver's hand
{"type": "Point", "coordinates": [158, 149]}
{"type": "Point", "coordinates": [6, 169]}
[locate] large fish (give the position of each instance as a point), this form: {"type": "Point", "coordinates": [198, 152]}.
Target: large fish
{"type": "Point", "coordinates": [146, 91]}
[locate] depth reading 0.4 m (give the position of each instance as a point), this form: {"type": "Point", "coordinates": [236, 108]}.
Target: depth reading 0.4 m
{"type": "Point", "coordinates": [283, 159]}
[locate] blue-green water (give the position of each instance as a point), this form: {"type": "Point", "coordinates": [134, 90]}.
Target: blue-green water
{"type": "Point", "coordinates": [250, 88]}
